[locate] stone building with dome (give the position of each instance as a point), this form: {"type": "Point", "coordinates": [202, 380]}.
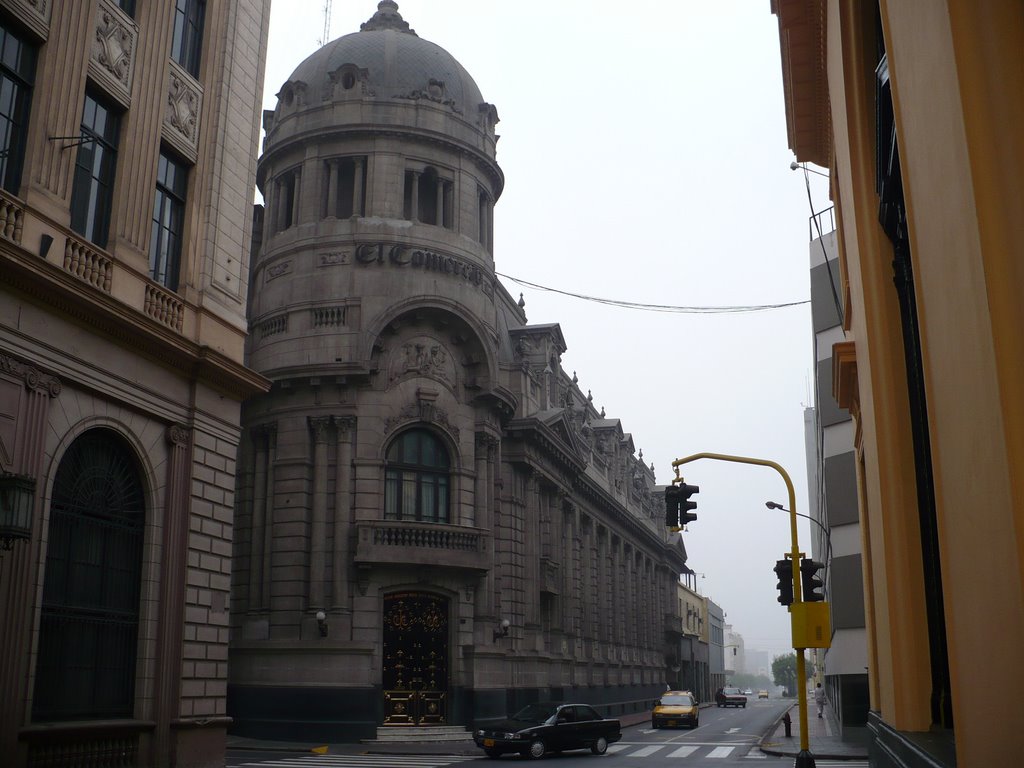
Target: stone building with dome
{"type": "Point", "coordinates": [433, 523]}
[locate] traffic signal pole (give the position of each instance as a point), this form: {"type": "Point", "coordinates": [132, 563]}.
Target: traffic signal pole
{"type": "Point", "coordinates": [804, 759]}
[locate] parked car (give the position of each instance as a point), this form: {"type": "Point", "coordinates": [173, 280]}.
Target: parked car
{"type": "Point", "coordinates": [675, 708]}
{"type": "Point", "coordinates": [762, 694]}
{"type": "Point", "coordinates": [549, 727]}
{"type": "Point", "coordinates": [730, 697]}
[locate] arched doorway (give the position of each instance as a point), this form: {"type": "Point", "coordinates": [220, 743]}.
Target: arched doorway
{"type": "Point", "coordinates": [88, 629]}
{"type": "Point", "coordinates": [415, 659]}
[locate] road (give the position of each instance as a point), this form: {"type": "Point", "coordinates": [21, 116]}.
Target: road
{"type": "Point", "coordinates": [726, 737]}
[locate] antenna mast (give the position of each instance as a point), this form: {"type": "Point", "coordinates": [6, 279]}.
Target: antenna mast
{"type": "Point", "coordinates": [327, 23]}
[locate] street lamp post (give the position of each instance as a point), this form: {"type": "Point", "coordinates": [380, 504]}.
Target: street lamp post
{"type": "Point", "coordinates": [804, 758]}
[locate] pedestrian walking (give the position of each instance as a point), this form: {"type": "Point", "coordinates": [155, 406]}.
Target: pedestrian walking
{"type": "Point", "coordinates": [819, 699]}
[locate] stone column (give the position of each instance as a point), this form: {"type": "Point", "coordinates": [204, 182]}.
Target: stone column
{"type": "Point", "coordinates": [439, 203]}
{"type": "Point", "coordinates": [27, 404]}
{"type": "Point", "coordinates": [318, 524]}
{"type": "Point", "coordinates": [357, 188]}
{"type": "Point", "coordinates": [170, 629]}
{"type": "Point", "coordinates": [268, 521]}
{"type": "Point", "coordinates": [257, 530]}
{"type": "Point", "coordinates": [415, 197]}
{"type": "Point", "coordinates": [296, 196]}
{"type": "Point", "coordinates": [345, 429]}
{"type": "Point", "coordinates": [588, 587]}
{"type": "Point", "coordinates": [569, 596]}
{"type": "Point", "coordinates": [332, 189]}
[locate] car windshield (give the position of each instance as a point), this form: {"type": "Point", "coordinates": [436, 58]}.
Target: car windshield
{"type": "Point", "coordinates": [535, 713]}
{"type": "Point", "coordinates": [731, 691]}
{"type": "Point", "coordinates": [677, 700]}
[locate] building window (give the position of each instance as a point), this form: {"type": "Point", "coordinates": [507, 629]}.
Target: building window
{"type": "Point", "coordinates": [345, 194]}
{"type": "Point", "coordinates": [88, 629]}
{"type": "Point", "coordinates": [168, 221]}
{"type": "Point", "coordinates": [417, 478]}
{"type": "Point", "coordinates": [188, 34]}
{"type": "Point", "coordinates": [429, 198]}
{"type": "Point", "coordinates": [92, 192]}
{"type": "Point", "coordinates": [128, 6]}
{"type": "Point", "coordinates": [485, 219]}
{"type": "Point", "coordinates": [17, 74]}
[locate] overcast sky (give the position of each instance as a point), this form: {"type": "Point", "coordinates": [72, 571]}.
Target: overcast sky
{"type": "Point", "coordinates": [645, 156]}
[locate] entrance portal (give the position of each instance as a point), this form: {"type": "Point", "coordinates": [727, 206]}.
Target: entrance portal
{"type": "Point", "coordinates": [415, 674]}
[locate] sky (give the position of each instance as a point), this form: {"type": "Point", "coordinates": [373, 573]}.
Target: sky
{"type": "Point", "coordinates": [646, 160]}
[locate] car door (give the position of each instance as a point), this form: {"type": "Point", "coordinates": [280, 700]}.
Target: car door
{"type": "Point", "coordinates": [565, 730]}
{"type": "Point", "coordinates": [589, 724]}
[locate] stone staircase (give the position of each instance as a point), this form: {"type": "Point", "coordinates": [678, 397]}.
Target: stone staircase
{"type": "Point", "coordinates": [420, 734]}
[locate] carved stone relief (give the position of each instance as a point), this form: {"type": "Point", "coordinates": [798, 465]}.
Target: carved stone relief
{"type": "Point", "coordinates": [422, 356]}
{"type": "Point", "coordinates": [181, 114]}
{"type": "Point", "coordinates": [112, 54]}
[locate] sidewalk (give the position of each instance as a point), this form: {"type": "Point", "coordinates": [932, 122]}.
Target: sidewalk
{"type": "Point", "coordinates": [822, 737]}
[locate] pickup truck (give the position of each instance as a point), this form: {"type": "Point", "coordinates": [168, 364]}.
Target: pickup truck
{"type": "Point", "coordinates": [730, 697]}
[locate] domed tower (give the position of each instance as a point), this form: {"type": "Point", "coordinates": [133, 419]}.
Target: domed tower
{"type": "Point", "coordinates": [376, 314]}
{"type": "Point", "coordinates": [405, 516]}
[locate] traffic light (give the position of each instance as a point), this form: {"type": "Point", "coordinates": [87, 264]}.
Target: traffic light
{"type": "Point", "coordinates": [685, 505]}
{"type": "Point", "coordinates": [672, 507]}
{"type": "Point", "coordinates": [812, 585]}
{"type": "Point", "coordinates": [678, 505]}
{"type": "Point", "coordinates": [784, 570]}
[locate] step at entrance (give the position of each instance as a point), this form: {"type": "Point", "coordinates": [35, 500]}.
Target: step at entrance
{"type": "Point", "coordinates": [433, 733]}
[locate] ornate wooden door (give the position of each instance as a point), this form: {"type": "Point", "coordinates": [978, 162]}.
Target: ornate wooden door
{"type": "Point", "coordinates": [415, 674]}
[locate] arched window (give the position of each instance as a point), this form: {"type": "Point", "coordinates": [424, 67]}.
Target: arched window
{"type": "Point", "coordinates": [417, 478]}
{"type": "Point", "coordinates": [90, 614]}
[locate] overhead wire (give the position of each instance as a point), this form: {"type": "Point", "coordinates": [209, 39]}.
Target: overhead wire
{"type": "Point", "coordinates": [668, 308]}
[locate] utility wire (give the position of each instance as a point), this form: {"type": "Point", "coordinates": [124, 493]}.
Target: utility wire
{"type": "Point", "coordinates": [669, 308]}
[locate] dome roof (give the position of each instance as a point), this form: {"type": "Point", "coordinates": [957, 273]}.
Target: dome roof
{"type": "Point", "coordinates": [388, 60]}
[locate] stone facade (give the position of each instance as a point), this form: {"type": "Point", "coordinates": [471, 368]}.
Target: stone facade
{"type": "Point", "coordinates": [119, 395]}
{"type": "Point", "coordinates": [434, 525]}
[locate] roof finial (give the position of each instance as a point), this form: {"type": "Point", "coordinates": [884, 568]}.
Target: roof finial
{"type": "Point", "coordinates": [522, 301]}
{"type": "Point", "coordinates": [387, 17]}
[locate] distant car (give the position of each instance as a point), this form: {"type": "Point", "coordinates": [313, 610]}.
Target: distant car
{"type": "Point", "coordinates": [747, 692]}
{"type": "Point", "coordinates": [762, 694]}
{"type": "Point", "coordinates": [730, 697]}
{"type": "Point", "coordinates": [546, 727]}
{"type": "Point", "coordinates": [675, 708]}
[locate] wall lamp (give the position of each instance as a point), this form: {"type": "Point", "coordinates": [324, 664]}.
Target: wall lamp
{"type": "Point", "coordinates": [803, 167]}
{"type": "Point", "coordinates": [503, 630]}
{"type": "Point", "coordinates": [321, 623]}
{"type": "Point", "coordinates": [17, 498]}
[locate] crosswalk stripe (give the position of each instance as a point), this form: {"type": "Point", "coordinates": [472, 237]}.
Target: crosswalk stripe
{"type": "Point", "coordinates": [683, 752]}
{"type": "Point", "coordinates": [618, 748]}
{"type": "Point", "coordinates": [646, 751]}
{"type": "Point", "coordinates": [721, 752]}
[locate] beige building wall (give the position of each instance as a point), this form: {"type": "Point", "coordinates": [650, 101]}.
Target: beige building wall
{"type": "Point", "coordinates": [93, 345]}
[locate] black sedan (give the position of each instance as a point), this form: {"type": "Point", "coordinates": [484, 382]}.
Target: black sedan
{"type": "Point", "coordinates": [549, 727]}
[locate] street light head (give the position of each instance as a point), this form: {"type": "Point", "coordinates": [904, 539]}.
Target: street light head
{"type": "Point", "coordinates": [794, 165]}
{"type": "Point", "coordinates": [773, 505]}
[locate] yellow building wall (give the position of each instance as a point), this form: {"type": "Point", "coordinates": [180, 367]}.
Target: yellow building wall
{"type": "Point", "coordinates": [957, 78]}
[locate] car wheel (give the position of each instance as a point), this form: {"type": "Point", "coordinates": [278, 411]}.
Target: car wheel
{"type": "Point", "coordinates": [492, 753]}
{"type": "Point", "coordinates": [536, 749]}
{"type": "Point", "coordinates": [600, 746]}
{"type": "Point", "coordinates": [654, 724]}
